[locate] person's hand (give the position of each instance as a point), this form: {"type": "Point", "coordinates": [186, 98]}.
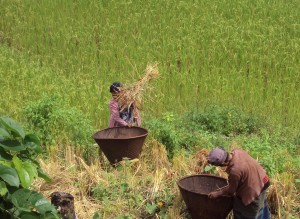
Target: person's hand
{"type": "Point", "coordinates": [129, 125]}
{"type": "Point", "coordinates": [213, 195]}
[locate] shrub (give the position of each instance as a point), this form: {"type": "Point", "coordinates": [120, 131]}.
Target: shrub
{"type": "Point", "coordinates": [18, 169]}
{"type": "Point", "coordinates": [187, 130]}
{"type": "Point", "coordinates": [54, 122]}
{"type": "Point", "coordinates": [168, 131]}
{"type": "Point", "coordinates": [223, 120]}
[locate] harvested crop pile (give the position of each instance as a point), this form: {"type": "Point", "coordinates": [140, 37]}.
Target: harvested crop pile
{"type": "Point", "coordinates": [133, 94]}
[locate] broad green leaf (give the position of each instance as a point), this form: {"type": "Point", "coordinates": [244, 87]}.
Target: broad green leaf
{"type": "Point", "coordinates": [36, 163]}
{"type": "Point", "coordinates": [4, 155]}
{"type": "Point", "coordinates": [12, 145]}
{"type": "Point", "coordinates": [297, 180]}
{"type": "Point", "coordinates": [31, 169]}
{"type": "Point", "coordinates": [25, 200]}
{"type": "Point", "coordinates": [51, 215]}
{"type": "Point", "coordinates": [21, 200]}
{"type": "Point", "coordinates": [25, 172]}
{"type": "Point", "coordinates": [43, 175]}
{"type": "Point", "coordinates": [43, 206]}
{"type": "Point", "coordinates": [30, 215]}
{"type": "Point", "coordinates": [32, 138]}
{"type": "Point", "coordinates": [10, 124]}
{"type": "Point", "coordinates": [138, 199]}
{"type": "Point", "coordinates": [32, 142]}
{"type": "Point", "coordinates": [96, 215]}
{"type": "Point", "coordinates": [119, 167]}
{"type": "Point", "coordinates": [106, 200]}
{"type": "Point", "coordinates": [35, 197]}
{"type": "Point", "coordinates": [9, 175]}
{"type": "Point", "coordinates": [208, 168]}
{"type": "Point", "coordinates": [3, 188]}
{"type": "Point", "coordinates": [4, 135]}
{"type": "Point", "coordinates": [151, 208]}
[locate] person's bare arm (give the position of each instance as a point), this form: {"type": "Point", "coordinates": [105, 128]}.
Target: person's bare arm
{"type": "Point", "coordinates": [233, 182]}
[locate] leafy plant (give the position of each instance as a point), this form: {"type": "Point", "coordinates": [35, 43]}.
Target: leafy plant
{"type": "Point", "coordinates": [169, 131]}
{"type": "Point", "coordinates": [210, 169]}
{"type": "Point", "coordinates": [18, 169]}
{"type": "Point", "coordinates": [54, 122]}
{"type": "Point", "coordinates": [224, 120]}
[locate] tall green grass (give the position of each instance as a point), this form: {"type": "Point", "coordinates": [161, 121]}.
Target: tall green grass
{"type": "Point", "coordinates": [242, 53]}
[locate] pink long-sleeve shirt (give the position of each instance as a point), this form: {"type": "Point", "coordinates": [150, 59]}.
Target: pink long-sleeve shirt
{"type": "Point", "coordinates": [115, 119]}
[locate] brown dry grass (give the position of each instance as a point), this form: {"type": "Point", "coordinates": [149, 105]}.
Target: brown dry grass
{"type": "Point", "coordinates": [151, 174]}
{"type": "Point", "coordinates": [73, 176]}
{"type": "Point", "coordinates": [282, 196]}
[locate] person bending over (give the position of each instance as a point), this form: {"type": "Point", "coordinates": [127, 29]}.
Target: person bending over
{"type": "Point", "coordinates": [247, 182]}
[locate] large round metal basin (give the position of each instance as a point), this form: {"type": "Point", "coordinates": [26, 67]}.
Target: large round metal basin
{"type": "Point", "coordinates": [195, 189]}
{"type": "Point", "coordinates": [121, 142]}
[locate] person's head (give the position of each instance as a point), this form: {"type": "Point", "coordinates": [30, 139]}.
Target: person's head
{"type": "Point", "coordinates": [218, 157]}
{"type": "Point", "coordinates": [115, 87]}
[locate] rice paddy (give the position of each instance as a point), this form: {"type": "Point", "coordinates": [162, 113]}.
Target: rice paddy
{"type": "Point", "coordinates": [242, 53]}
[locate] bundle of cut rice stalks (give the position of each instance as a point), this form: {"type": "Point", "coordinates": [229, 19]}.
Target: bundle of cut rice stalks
{"type": "Point", "coordinates": [133, 94]}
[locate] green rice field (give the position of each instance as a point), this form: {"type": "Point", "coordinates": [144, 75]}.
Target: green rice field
{"type": "Point", "coordinates": [229, 74]}
{"type": "Point", "coordinates": [242, 53]}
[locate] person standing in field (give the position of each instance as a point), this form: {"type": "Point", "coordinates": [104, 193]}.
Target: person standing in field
{"type": "Point", "coordinates": [129, 116]}
{"type": "Point", "coordinates": [247, 183]}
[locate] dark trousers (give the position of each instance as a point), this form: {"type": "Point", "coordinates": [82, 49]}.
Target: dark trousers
{"type": "Point", "coordinates": [258, 209]}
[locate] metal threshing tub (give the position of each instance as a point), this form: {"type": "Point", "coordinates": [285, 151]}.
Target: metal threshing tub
{"type": "Point", "coordinates": [195, 189]}
{"type": "Point", "coordinates": [121, 142]}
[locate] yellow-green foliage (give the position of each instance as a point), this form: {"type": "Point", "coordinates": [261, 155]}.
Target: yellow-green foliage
{"type": "Point", "coordinates": [240, 53]}
{"type": "Point", "coordinates": [237, 52]}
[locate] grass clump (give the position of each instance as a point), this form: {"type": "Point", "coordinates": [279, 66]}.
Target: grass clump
{"type": "Point", "coordinates": [55, 123]}
{"type": "Point", "coordinates": [188, 130]}
{"type": "Point", "coordinates": [224, 120]}
{"type": "Point", "coordinates": [168, 131]}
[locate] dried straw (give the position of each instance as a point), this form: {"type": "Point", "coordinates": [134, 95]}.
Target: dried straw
{"type": "Point", "coordinates": [75, 177]}
{"type": "Point", "coordinates": [133, 94]}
